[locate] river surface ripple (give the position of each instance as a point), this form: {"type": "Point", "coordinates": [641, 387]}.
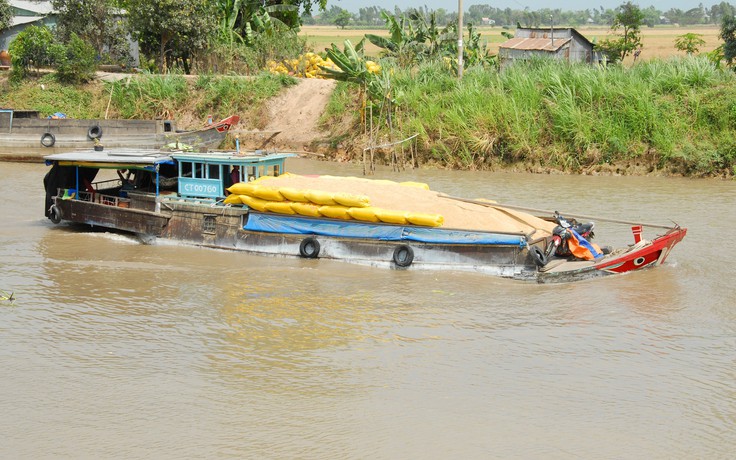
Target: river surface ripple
{"type": "Point", "coordinates": [118, 349]}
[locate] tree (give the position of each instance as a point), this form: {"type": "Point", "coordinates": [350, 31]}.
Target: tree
{"type": "Point", "coordinates": [690, 42]}
{"type": "Point", "coordinates": [75, 62]}
{"type": "Point", "coordinates": [343, 19]}
{"type": "Point", "coordinates": [30, 49]}
{"type": "Point", "coordinates": [628, 19]}
{"type": "Point", "coordinates": [172, 30]}
{"type": "Point", "coordinates": [6, 15]}
{"type": "Point", "coordinates": [95, 22]}
{"type": "Point", "coordinates": [728, 35]}
{"type": "Point", "coordinates": [720, 11]}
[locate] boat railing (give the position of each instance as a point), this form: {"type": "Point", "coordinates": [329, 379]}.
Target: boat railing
{"type": "Point", "coordinates": [94, 197]}
{"type": "Point", "coordinates": [107, 184]}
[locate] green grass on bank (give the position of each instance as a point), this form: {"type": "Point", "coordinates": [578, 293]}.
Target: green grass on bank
{"type": "Point", "coordinates": [678, 114]}
{"type": "Point", "coordinates": [148, 96]}
{"type": "Point", "coordinates": [48, 96]}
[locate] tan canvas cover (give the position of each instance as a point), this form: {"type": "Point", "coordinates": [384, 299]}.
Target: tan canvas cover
{"type": "Point", "coordinates": [394, 196]}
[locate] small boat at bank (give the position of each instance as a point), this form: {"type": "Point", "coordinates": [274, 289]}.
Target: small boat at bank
{"type": "Point", "coordinates": [247, 202]}
{"type": "Point", "coordinates": [24, 132]}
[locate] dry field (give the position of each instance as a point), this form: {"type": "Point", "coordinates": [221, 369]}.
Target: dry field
{"type": "Point", "coordinates": [658, 42]}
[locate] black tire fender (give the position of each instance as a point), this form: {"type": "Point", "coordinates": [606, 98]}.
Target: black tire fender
{"type": "Point", "coordinates": [48, 140]}
{"type": "Point", "coordinates": [403, 255]}
{"type": "Point", "coordinates": [309, 248]}
{"type": "Point", "coordinates": [94, 132]}
{"type": "Point", "coordinates": [54, 214]}
{"type": "Point", "coordinates": [540, 259]}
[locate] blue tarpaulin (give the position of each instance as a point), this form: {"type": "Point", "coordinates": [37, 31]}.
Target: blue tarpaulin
{"type": "Point", "coordinates": [296, 225]}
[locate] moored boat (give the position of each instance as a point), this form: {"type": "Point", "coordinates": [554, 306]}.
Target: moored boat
{"type": "Point", "coordinates": [24, 132]}
{"type": "Point", "coordinates": [246, 201]}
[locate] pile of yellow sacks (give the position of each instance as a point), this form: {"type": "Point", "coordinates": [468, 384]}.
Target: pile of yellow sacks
{"type": "Point", "coordinates": [305, 66]}
{"type": "Point", "coordinates": [317, 203]}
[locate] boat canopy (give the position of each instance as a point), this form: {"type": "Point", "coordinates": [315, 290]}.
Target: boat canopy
{"type": "Point", "coordinates": [112, 159]}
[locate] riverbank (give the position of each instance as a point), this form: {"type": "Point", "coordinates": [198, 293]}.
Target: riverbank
{"type": "Point", "coordinates": [671, 117]}
{"type": "Point", "coordinates": [276, 112]}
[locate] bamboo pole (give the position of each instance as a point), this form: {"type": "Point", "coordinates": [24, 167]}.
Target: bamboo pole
{"type": "Point", "coordinates": [551, 213]}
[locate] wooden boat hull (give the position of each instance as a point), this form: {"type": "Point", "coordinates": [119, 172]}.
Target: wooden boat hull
{"type": "Point", "coordinates": [49, 136]}
{"type": "Point", "coordinates": [185, 221]}
{"type": "Point", "coordinates": [112, 216]}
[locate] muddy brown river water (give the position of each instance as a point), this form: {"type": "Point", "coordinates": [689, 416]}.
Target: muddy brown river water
{"type": "Point", "coordinates": [115, 349]}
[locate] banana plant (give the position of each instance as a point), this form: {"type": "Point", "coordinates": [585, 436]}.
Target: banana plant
{"type": "Point", "coordinates": [228, 12]}
{"type": "Point", "coordinates": [262, 21]}
{"type": "Point", "coordinates": [403, 43]}
{"type": "Point", "coordinates": [350, 62]}
{"type": "Point", "coordinates": [474, 52]}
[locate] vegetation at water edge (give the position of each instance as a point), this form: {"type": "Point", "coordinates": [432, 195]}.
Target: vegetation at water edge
{"type": "Point", "coordinates": [677, 116]}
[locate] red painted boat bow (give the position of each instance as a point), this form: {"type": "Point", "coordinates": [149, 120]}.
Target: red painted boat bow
{"type": "Point", "coordinates": [651, 253]}
{"type": "Point", "coordinates": [227, 123]}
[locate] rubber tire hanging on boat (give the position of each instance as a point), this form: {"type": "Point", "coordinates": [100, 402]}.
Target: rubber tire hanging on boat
{"type": "Point", "coordinates": [48, 140]}
{"type": "Point", "coordinates": [540, 259]}
{"type": "Point", "coordinates": [309, 248]}
{"type": "Point", "coordinates": [94, 132]}
{"type": "Point", "coordinates": [54, 214]}
{"type": "Point", "coordinates": [403, 255]}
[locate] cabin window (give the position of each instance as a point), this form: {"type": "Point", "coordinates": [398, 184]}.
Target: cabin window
{"type": "Point", "coordinates": [186, 169]}
{"type": "Point", "coordinates": [272, 170]}
{"type": "Point", "coordinates": [168, 127]}
{"type": "Point", "coordinates": [208, 224]}
{"type": "Point", "coordinates": [252, 173]}
{"type": "Point", "coordinates": [214, 172]}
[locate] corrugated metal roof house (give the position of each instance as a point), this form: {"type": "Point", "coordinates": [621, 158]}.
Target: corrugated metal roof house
{"type": "Point", "coordinates": [40, 13]}
{"type": "Point", "coordinates": [26, 13]}
{"type": "Point", "coordinates": [566, 44]}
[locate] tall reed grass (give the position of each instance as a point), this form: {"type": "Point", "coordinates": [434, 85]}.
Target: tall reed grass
{"type": "Point", "coordinates": [679, 112]}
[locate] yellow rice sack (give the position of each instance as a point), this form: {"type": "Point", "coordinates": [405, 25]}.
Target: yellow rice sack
{"type": "Point", "coordinates": [281, 207]}
{"type": "Point", "coordinates": [421, 185]}
{"type": "Point", "coordinates": [320, 197]}
{"type": "Point", "coordinates": [367, 214]}
{"type": "Point", "coordinates": [293, 194]}
{"type": "Point", "coordinates": [335, 212]}
{"type": "Point", "coordinates": [267, 193]}
{"type": "Point", "coordinates": [351, 201]}
{"type": "Point", "coordinates": [391, 216]}
{"type": "Point", "coordinates": [233, 199]}
{"type": "Point", "coordinates": [242, 188]}
{"type": "Point", "coordinates": [252, 202]}
{"type": "Point", "coordinates": [425, 219]}
{"type": "Point", "coordinates": [306, 209]}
